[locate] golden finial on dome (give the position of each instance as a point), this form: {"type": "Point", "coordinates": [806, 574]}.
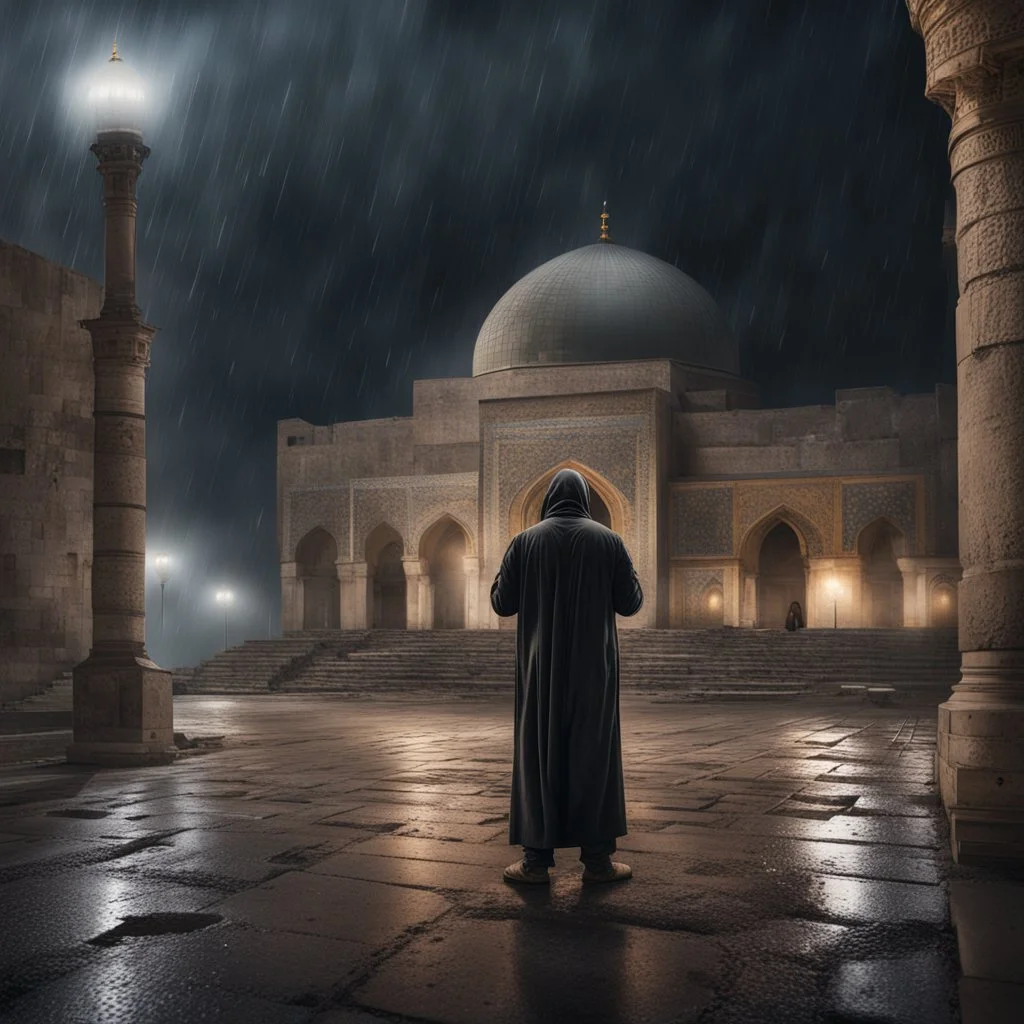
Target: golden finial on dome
{"type": "Point", "coordinates": [605, 237]}
{"type": "Point", "coordinates": [113, 55]}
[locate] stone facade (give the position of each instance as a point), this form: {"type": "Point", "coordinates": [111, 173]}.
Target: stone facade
{"type": "Point", "coordinates": [46, 469]}
{"type": "Point", "coordinates": [691, 476]}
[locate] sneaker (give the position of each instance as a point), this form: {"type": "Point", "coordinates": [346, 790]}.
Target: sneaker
{"type": "Point", "coordinates": [520, 874]}
{"type": "Point", "coordinates": [614, 873]}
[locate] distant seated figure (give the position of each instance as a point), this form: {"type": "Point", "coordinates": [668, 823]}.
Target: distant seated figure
{"type": "Point", "coordinates": [795, 617]}
{"type": "Point", "coordinates": [567, 578]}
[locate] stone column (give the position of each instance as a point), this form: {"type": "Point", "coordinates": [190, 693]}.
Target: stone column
{"type": "Point", "coordinates": [748, 611]}
{"type": "Point", "coordinates": [975, 71]}
{"type": "Point", "coordinates": [355, 595]}
{"type": "Point", "coordinates": [122, 708]}
{"type": "Point", "coordinates": [291, 598]}
{"type": "Point", "coordinates": [417, 592]}
{"type": "Point", "coordinates": [913, 610]}
{"type": "Point", "coordinates": [472, 569]}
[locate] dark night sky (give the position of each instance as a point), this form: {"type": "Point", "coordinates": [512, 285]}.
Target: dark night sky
{"type": "Point", "coordinates": [339, 190]}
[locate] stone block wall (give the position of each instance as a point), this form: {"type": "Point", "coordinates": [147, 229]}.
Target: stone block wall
{"type": "Point", "coordinates": [46, 481]}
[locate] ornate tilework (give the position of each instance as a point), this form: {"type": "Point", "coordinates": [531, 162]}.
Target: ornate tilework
{"type": "Point", "coordinates": [702, 521]}
{"type": "Point", "coordinates": [896, 500]}
{"type": "Point", "coordinates": [812, 501]}
{"type": "Point", "coordinates": [326, 508]}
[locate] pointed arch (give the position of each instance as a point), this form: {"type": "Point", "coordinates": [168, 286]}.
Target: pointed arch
{"type": "Point", "coordinates": [316, 557]}
{"type": "Point", "coordinates": [807, 534]}
{"type": "Point", "coordinates": [430, 536]}
{"type": "Point", "coordinates": [444, 546]}
{"type": "Point", "coordinates": [878, 546]}
{"type": "Point", "coordinates": [378, 538]}
{"type": "Point", "coordinates": [386, 587]}
{"type": "Point", "coordinates": [870, 533]}
{"type": "Point", "coordinates": [317, 548]}
{"type": "Point", "coordinates": [526, 505]}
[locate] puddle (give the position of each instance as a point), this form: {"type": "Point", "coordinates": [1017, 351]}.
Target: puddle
{"type": "Point", "coordinates": [155, 924]}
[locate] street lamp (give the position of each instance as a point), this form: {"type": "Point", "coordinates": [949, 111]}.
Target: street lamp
{"type": "Point", "coordinates": [162, 564]}
{"type": "Point", "coordinates": [122, 707]}
{"type": "Point", "coordinates": [225, 598]}
{"type": "Point", "coordinates": [833, 587]}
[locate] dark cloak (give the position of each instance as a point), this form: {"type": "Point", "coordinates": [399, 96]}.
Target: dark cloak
{"type": "Point", "coordinates": [566, 577]}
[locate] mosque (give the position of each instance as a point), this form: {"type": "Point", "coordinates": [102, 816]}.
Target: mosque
{"type": "Point", "coordinates": [617, 364]}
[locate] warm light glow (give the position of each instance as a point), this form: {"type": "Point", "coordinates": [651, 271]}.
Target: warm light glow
{"type": "Point", "coordinates": [944, 599]}
{"type": "Point", "coordinates": [162, 564]}
{"type": "Point", "coordinates": [714, 600]}
{"type": "Point", "coordinates": [224, 597]}
{"type": "Point", "coordinates": [833, 586]}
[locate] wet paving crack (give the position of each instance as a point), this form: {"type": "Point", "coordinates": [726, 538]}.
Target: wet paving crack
{"type": "Point", "coordinates": [155, 924]}
{"type": "Point", "coordinates": [78, 812]}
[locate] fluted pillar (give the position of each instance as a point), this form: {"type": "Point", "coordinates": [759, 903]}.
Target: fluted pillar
{"type": "Point", "coordinates": [123, 712]}
{"type": "Point", "coordinates": [975, 70]}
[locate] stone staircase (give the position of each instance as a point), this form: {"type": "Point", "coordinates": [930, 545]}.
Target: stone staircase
{"type": "Point", "coordinates": [262, 666]}
{"type": "Point", "coordinates": [56, 697]}
{"type": "Point", "coordinates": [712, 663]}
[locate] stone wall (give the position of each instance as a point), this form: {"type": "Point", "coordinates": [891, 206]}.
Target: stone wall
{"type": "Point", "coordinates": [46, 441]}
{"type": "Point", "coordinates": [869, 431]}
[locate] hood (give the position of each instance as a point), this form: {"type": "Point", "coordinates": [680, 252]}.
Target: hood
{"type": "Point", "coordinates": [568, 495]}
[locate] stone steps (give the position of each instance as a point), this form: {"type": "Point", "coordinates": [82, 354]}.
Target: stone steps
{"type": "Point", "coordinates": [717, 663]}
{"type": "Point", "coordinates": [56, 697]}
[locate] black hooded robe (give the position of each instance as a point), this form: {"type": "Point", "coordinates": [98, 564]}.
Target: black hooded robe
{"type": "Point", "coordinates": [566, 577]}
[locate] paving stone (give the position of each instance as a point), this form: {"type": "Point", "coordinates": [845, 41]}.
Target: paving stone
{"type": "Point", "coordinates": [436, 849]}
{"type": "Point", "coordinates": [780, 901]}
{"type": "Point", "coordinates": [107, 994]}
{"type": "Point", "coordinates": [506, 972]}
{"type": "Point", "coordinates": [919, 832]}
{"type": "Point", "coordinates": [337, 908]}
{"type": "Point", "coordinates": [423, 874]}
{"type": "Point", "coordinates": [914, 989]}
{"type": "Point", "coordinates": [856, 899]}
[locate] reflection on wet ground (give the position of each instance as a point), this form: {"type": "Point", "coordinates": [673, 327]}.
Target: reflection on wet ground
{"type": "Point", "coordinates": [339, 861]}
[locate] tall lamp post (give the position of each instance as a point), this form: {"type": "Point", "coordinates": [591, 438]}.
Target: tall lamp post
{"type": "Point", "coordinates": [162, 563]}
{"type": "Point", "coordinates": [123, 712]}
{"type": "Point", "coordinates": [833, 588]}
{"type": "Point", "coordinates": [225, 598]}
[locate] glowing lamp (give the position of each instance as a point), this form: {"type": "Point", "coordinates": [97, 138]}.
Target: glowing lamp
{"type": "Point", "coordinates": [224, 597]}
{"type": "Point", "coordinates": [715, 601]}
{"type": "Point", "coordinates": [117, 97]}
{"type": "Point", "coordinates": [162, 564]}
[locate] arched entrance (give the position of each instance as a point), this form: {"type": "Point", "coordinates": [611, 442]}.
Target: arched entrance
{"type": "Point", "coordinates": [385, 579]}
{"type": "Point", "coordinates": [444, 547]}
{"type": "Point", "coordinates": [781, 578]}
{"type": "Point", "coordinates": [879, 545]}
{"type": "Point", "coordinates": [316, 557]}
{"type": "Point", "coordinates": [607, 505]}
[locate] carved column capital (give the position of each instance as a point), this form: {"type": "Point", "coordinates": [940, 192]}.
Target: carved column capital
{"type": "Point", "coordinates": [967, 44]}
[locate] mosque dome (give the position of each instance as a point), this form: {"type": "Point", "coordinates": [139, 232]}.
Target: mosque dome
{"type": "Point", "coordinates": [605, 303]}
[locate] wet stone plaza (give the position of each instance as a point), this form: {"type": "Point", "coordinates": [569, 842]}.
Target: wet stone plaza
{"type": "Point", "coordinates": [339, 861]}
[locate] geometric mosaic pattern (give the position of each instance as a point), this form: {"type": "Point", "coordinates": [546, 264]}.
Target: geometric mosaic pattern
{"type": "Point", "coordinates": [702, 521]}
{"type": "Point", "coordinates": [895, 500]}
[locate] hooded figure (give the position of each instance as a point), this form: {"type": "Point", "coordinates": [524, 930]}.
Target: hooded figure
{"type": "Point", "coordinates": [567, 578]}
{"type": "Point", "coordinates": [795, 617]}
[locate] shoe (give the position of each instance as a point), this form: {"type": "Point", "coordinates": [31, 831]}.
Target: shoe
{"type": "Point", "coordinates": [615, 873]}
{"type": "Point", "coordinates": [520, 874]}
